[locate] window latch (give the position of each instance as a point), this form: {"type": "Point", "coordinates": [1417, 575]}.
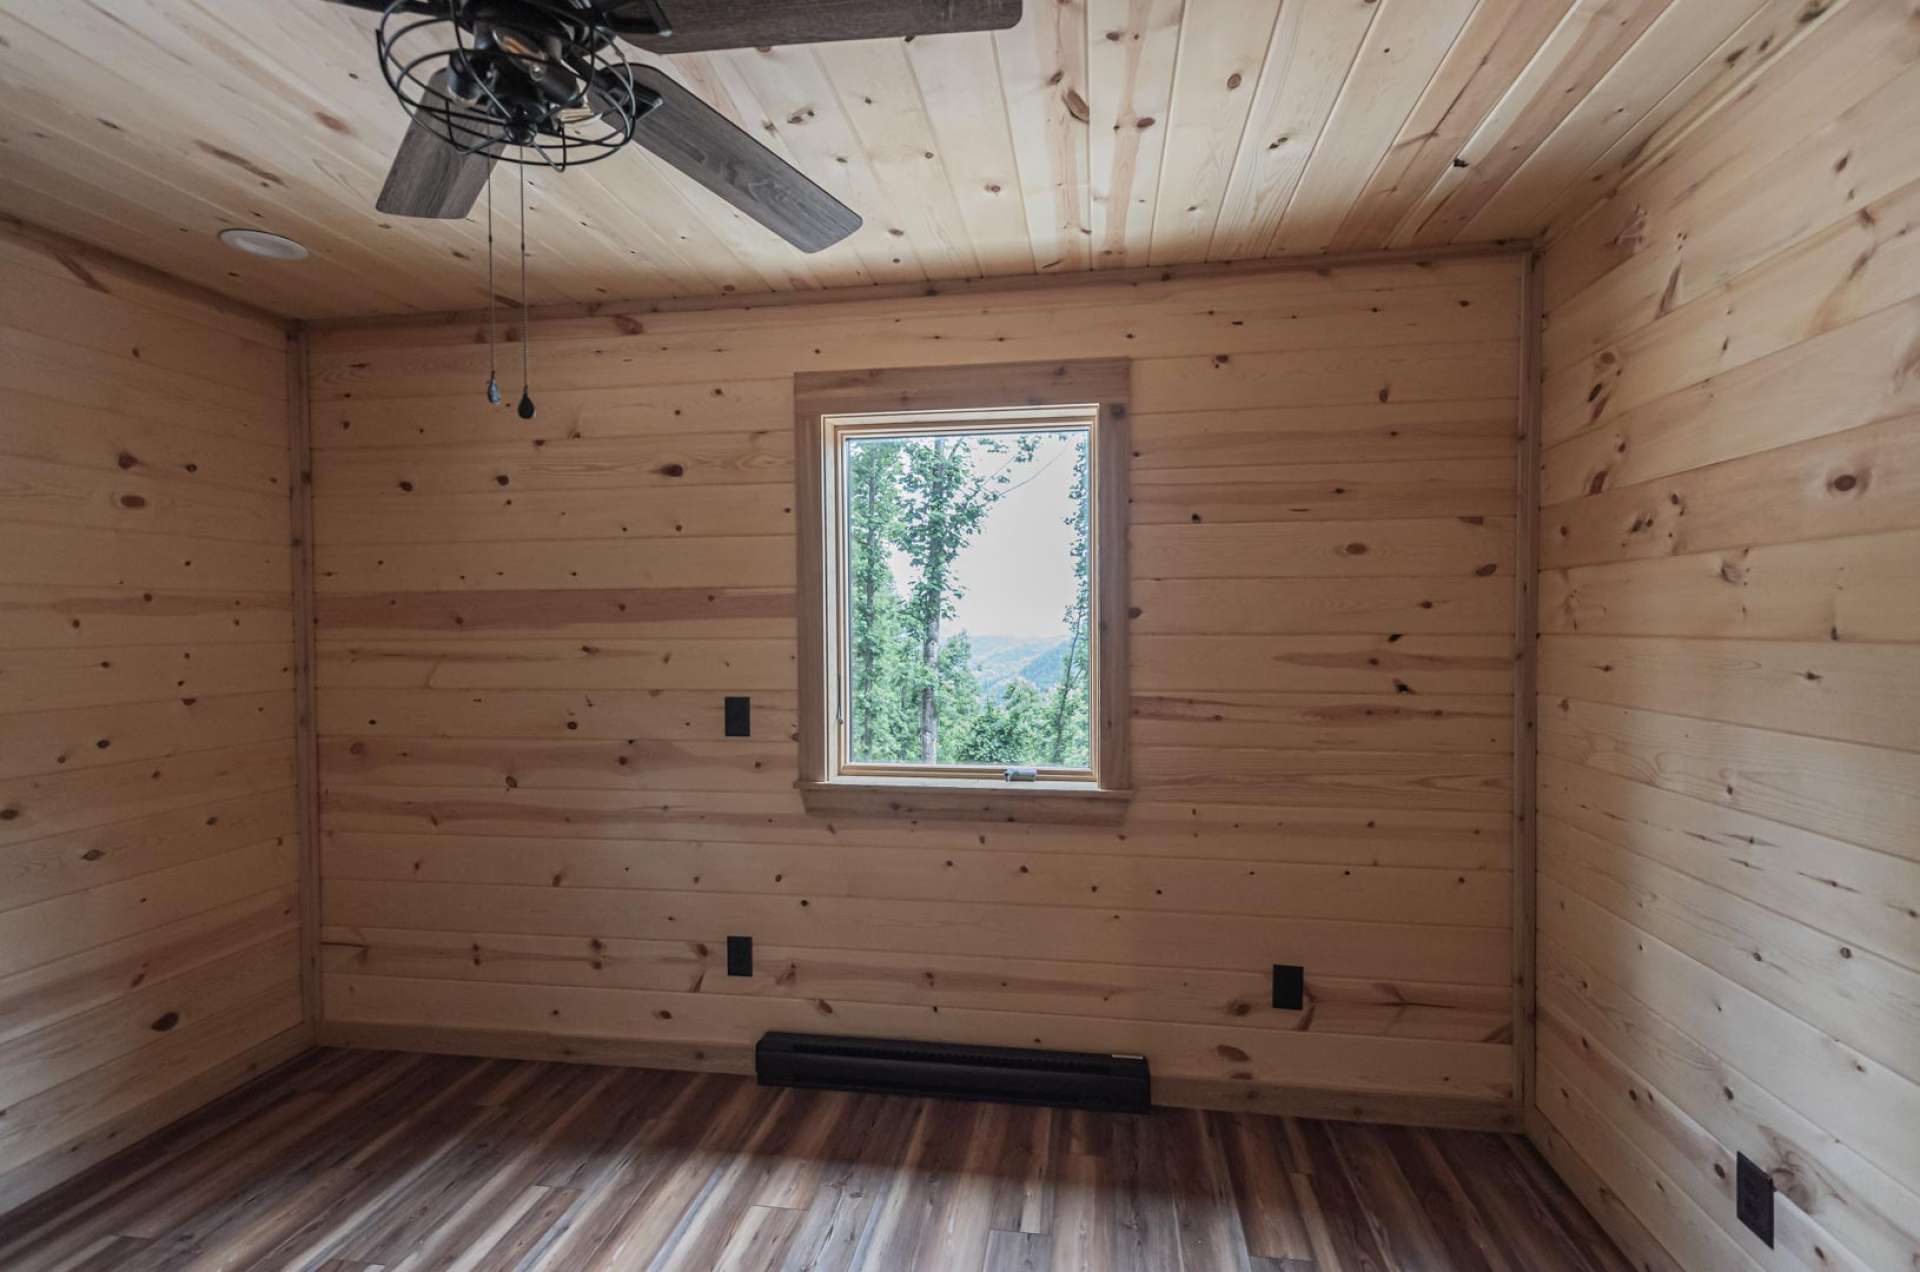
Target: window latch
{"type": "Point", "coordinates": [1017, 774]}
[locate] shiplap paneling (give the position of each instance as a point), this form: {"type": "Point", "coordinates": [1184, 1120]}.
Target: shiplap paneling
{"type": "Point", "coordinates": [529, 808]}
{"type": "Point", "coordinates": [149, 930]}
{"type": "Point", "coordinates": [1097, 134]}
{"type": "Point", "coordinates": [1729, 916]}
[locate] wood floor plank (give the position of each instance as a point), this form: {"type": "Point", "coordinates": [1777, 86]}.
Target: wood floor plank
{"type": "Point", "coordinates": [382, 1162]}
{"type": "Point", "coordinates": [1018, 1252]}
{"type": "Point", "coordinates": [1204, 1206]}
{"type": "Point", "coordinates": [1349, 1235]}
{"type": "Point", "coordinates": [529, 1232]}
{"type": "Point", "coordinates": [1023, 1197]}
{"type": "Point", "coordinates": [108, 1255]}
{"type": "Point", "coordinates": [1438, 1191]}
{"type": "Point", "coordinates": [1522, 1220]}
{"type": "Point", "coordinates": [1260, 1164]}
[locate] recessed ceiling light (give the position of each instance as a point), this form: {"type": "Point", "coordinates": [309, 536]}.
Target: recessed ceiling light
{"type": "Point", "coordinates": [274, 247]}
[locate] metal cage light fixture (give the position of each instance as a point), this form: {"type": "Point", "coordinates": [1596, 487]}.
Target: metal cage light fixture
{"type": "Point", "coordinates": [524, 81]}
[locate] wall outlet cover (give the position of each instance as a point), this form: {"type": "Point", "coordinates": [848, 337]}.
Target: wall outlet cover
{"type": "Point", "coordinates": [739, 956]}
{"type": "Point", "coordinates": [1289, 987]}
{"type": "Point", "coordinates": [1753, 1198]}
{"type": "Point", "coordinates": [739, 717]}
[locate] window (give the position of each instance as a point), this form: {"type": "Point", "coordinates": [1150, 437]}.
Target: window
{"type": "Point", "coordinates": [962, 580]}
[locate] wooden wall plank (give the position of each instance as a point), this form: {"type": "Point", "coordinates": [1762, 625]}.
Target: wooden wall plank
{"type": "Point", "coordinates": [1828, 689]}
{"type": "Point", "coordinates": [1398, 894]}
{"type": "Point", "coordinates": [1859, 998]}
{"type": "Point", "coordinates": [522, 659]}
{"type": "Point", "coordinates": [73, 862]}
{"type": "Point", "coordinates": [1858, 588]}
{"type": "Point", "coordinates": [68, 738]}
{"type": "Point", "coordinates": [148, 937]}
{"type": "Point", "coordinates": [1730, 904]}
{"type": "Point", "coordinates": [1466, 838]}
{"type": "Point", "coordinates": [1840, 1191]}
{"type": "Point", "coordinates": [1859, 894]}
{"type": "Point", "coordinates": [1330, 1061]}
{"type": "Point", "coordinates": [1461, 1013]}
{"type": "Point", "coordinates": [1448, 954]}
{"type": "Point", "coordinates": [1839, 1090]}
{"type": "Point", "coordinates": [122, 675]}
{"type": "Point", "coordinates": [51, 992]}
{"type": "Point", "coordinates": [1865, 795]}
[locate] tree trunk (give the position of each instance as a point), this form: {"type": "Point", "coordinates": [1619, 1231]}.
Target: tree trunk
{"type": "Point", "coordinates": [929, 701]}
{"type": "Point", "coordinates": [1062, 698]}
{"type": "Point", "coordinates": [863, 721]}
{"type": "Point", "coordinates": [930, 637]}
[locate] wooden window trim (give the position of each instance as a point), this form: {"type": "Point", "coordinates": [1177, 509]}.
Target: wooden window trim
{"type": "Point", "coordinates": [818, 395]}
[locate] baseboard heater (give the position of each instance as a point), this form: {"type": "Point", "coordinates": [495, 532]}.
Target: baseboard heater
{"type": "Point", "coordinates": [1011, 1075]}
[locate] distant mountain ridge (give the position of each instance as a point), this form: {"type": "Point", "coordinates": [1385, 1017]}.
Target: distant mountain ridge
{"type": "Point", "coordinates": [1000, 660]}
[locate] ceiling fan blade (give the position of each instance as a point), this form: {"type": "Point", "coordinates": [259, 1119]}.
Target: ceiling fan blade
{"type": "Point", "coordinates": [431, 177]}
{"type": "Point", "coordinates": [699, 25]}
{"type": "Point", "coordinates": [704, 144]}
{"type": "Point", "coordinates": [422, 7]}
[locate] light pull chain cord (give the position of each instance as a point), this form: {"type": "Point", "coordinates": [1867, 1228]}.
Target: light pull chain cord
{"type": "Point", "coordinates": [493, 316]}
{"type": "Point", "coordinates": [526, 331]}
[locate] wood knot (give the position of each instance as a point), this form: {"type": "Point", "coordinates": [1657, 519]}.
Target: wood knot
{"type": "Point", "coordinates": [165, 1022]}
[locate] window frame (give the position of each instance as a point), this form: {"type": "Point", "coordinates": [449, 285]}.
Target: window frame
{"type": "Point", "coordinates": [830, 406]}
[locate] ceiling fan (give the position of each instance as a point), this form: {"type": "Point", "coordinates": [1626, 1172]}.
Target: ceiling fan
{"type": "Point", "coordinates": [539, 82]}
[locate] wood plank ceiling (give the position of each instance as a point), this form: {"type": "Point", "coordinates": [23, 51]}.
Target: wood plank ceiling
{"type": "Point", "coordinates": [1097, 134]}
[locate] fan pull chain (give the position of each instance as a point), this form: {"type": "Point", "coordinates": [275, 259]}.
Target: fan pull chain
{"type": "Point", "coordinates": [526, 330]}
{"type": "Point", "coordinates": [493, 319]}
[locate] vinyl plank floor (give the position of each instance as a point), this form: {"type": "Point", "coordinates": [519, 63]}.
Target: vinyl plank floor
{"type": "Point", "coordinates": [353, 1161]}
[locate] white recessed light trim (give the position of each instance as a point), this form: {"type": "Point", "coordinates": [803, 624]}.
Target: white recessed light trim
{"type": "Point", "coordinates": [275, 247]}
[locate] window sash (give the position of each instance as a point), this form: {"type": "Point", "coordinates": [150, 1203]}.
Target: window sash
{"type": "Point", "coordinates": [836, 432]}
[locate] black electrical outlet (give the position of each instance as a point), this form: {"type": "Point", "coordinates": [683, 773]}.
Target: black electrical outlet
{"type": "Point", "coordinates": [1289, 987]}
{"type": "Point", "coordinates": [739, 714]}
{"type": "Point", "coordinates": [739, 956]}
{"type": "Point", "coordinates": [1753, 1198]}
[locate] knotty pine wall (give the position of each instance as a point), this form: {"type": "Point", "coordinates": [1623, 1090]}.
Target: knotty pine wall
{"type": "Point", "coordinates": [1729, 769]}
{"type": "Point", "coordinates": [149, 932]}
{"type": "Point", "coordinates": [536, 839]}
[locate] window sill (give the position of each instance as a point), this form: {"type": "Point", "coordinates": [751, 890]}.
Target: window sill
{"type": "Point", "coordinates": [918, 798]}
